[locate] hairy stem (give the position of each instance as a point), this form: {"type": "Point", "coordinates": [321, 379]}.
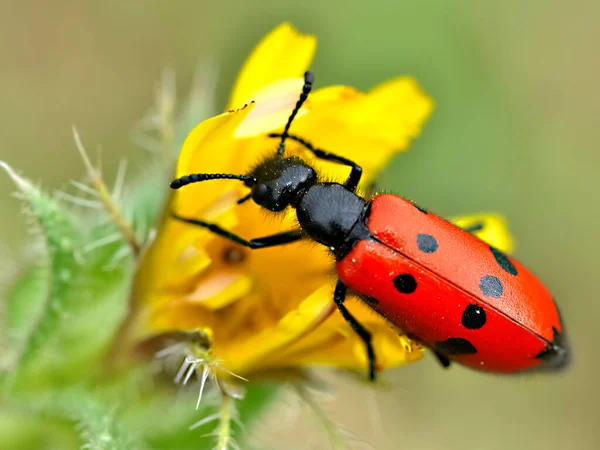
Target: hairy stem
{"type": "Point", "coordinates": [336, 438]}
{"type": "Point", "coordinates": [226, 409]}
{"type": "Point", "coordinates": [107, 199]}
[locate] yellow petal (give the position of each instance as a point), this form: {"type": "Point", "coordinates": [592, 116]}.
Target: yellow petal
{"type": "Point", "coordinates": [178, 253]}
{"type": "Point", "coordinates": [220, 290]}
{"type": "Point", "coordinates": [273, 106]}
{"type": "Point", "coordinates": [283, 53]}
{"type": "Point", "coordinates": [209, 148]}
{"type": "Point", "coordinates": [368, 128]}
{"type": "Point", "coordinates": [254, 352]}
{"type": "Point", "coordinates": [491, 228]}
{"type": "Point", "coordinates": [348, 352]}
{"type": "Point", "coordinates": [334, 343]}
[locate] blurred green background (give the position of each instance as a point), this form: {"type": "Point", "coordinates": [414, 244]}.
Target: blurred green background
{"type": "Point", "coordinates": [514, 131]}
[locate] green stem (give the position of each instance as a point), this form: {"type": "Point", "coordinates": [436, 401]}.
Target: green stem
{"type": "Point", "coordinates": [226, 416]}
{"type": "Point", "coordinates": [336, 438]}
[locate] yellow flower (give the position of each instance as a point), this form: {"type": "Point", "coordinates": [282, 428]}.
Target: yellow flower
{"type": "Point", "coordinates": [272, 309]}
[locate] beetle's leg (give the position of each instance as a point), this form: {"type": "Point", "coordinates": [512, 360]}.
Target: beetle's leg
{"type": "Point", "coordinates": [477, 226]}
{"type": "Point", "coordinates": [444, 361]}
{"type": "Point", "coordinates": [267, 241]}
{"type": "Point", "coordinates": [338, 297]}
{"type": "Point", "coordinates": [355, 173]}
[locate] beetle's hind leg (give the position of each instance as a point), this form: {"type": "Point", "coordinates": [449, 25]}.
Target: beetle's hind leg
{"type": "Point", "coordinates": [338, 297]}
{"type": "Point", "coordinates": [443, 360]}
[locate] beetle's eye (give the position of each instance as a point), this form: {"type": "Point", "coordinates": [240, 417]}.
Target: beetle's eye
{"type": "Point", "coordinates": [261, 190]}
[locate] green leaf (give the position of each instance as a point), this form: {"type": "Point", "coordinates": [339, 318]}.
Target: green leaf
{"type": "Point", "coordinates": [22, 305]}
{"type": "Point", "coordinates": [22, 430]}
{"type": "Point", "coordinates": [63, 331]}
{"type": "Point", "coordinates": [173, 431]}
{"type": "Point", "coordinates": [100, 426]}
{"type": "Point", "coordinates": [59, 232]}
{"type": "Point", "coordinates": [93, 416]}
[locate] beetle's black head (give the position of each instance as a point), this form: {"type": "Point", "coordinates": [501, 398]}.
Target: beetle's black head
{"type": "Point", "coordinates": [277, 182]}
{"type": "Point", "coordinates": [280, 182]}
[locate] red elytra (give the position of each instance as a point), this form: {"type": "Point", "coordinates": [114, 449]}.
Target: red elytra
{"type": "Point", "coordinates": [453, 292]}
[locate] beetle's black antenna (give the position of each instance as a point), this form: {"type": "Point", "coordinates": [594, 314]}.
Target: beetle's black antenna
{"type": "Point", "coordinates": [198, 177]}
{"type": "Point", "coordinates": [309, 79]}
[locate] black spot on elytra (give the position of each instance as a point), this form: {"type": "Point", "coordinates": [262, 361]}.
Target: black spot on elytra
{"type": "Point", "coordinates": [473, 317]}
{"type": "Point", "coordinates": [491, 286]}
{"type": "Point", "coordinates": [455, 346]}
{"type": "Point", "coordinates": [503, 261]}
{"type": "Point", "coordinates": [427, 243]}
{"type": "Point", "coordinates": [405, 283]}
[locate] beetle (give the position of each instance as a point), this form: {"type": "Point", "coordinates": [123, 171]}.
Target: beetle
{"type": "Point", "coordinates": [440, 284]}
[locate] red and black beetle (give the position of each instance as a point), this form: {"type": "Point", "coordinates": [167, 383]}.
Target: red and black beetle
{"type": "Point", "coordinates": [441, 285]}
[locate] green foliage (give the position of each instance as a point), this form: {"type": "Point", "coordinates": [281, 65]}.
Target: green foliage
{"type": "Point", "coordinates": [51, 310]}
{"type": "Point", "coordinates": [61, 312]}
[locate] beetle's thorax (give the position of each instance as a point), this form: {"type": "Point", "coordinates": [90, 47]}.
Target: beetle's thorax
{"type": "Point", "coordinates": [328, 212]}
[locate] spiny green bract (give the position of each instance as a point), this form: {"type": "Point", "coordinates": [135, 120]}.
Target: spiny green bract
{"type": "Point", "coordinates": [60, 312]}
